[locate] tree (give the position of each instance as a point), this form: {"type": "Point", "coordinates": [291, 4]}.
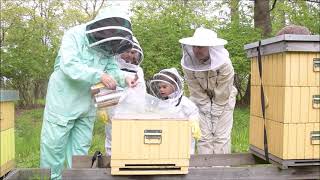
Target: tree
{"type": "Point", "coordinates": [159, 25]}
{"type": "Point", "coordinates": [30, 37]}
{"type": "Point", "coordinates": [262, 17]}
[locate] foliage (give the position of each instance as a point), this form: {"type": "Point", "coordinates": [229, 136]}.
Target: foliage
{"type": "Point", "coordinates": [30, 38]}
{"type": "Point", "coordinates": [159, 25]}
{"type": "Point", "coordinates": [28, 46]}
{"type": "Point", "coordinates": [31, 31]}
{"type": "Point", "coordinates": [296, 12]}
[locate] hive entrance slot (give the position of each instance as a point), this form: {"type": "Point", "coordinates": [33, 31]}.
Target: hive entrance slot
{"type": "Point", "coordinates": [149, 167]}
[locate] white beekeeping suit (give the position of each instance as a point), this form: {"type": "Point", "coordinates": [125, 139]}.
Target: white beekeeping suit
{"type": "Point", "coordinates": [210, 83]}
{"type": "Point", "coordinates": [184, 107]}
{"type": "Point", "coordinates": [130, 66]}
{"type": "Point", "coordinates": [133, 68]}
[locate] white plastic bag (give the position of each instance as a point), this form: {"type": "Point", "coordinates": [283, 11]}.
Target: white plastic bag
{"type": "Point", "coordinates": [136, 104]}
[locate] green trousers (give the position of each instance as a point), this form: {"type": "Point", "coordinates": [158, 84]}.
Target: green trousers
{"type": "Point", "coordinates": [60, 143]}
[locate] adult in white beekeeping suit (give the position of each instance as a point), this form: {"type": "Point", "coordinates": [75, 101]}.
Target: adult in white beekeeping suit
{"type": "Point", "coordinates": [129, 63]}
{"type": "Point", "coordinates": [167, 85]}
{"type": "Point", "coordinates": [209, 75]}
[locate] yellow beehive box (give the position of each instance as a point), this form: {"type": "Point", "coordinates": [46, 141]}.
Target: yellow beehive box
{"type": "Point", "coordinates": [291, 83]}
{"type": "Point", "coordinates": [150, 146]}
{"type": "Point", "coordinates": [7, 157]}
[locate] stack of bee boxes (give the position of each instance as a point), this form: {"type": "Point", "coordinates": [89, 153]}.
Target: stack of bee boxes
{"type": "Point", "coordinates": [150, 146]}
{"type": "Point", "coordinates": [7, 157]}
{"type": "Point", "coordinates": [291, 82]}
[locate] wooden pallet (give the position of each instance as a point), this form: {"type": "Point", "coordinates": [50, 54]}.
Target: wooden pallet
{"type": "Point", "coordinates": [282, 163]}
{"type": "Point", "coordinates": [231, 166]}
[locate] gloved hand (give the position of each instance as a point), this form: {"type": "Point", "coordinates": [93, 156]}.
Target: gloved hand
{"type": "Point", "coordinates": [195, 129]}
{"type": "Point", "coordinates": [102, 116]}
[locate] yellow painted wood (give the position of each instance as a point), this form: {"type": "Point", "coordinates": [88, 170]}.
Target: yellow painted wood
{"type": "Point", "coordinates": [316, 147]}
{"type": "Point", "coordinates": [294, 69]}
{"type": "Point", "coordinates": [176, 162]}
{"type": "Point", "coordinates": [295, 105]}
{"type": "Point", "coordinates": [298, 105]}
{"type": "Point", "coordinates": [292, 141]}
{"type": "Point", "coordinates": [313, 76]}
{"type": "Point", "coordinates": [116, 171]}
{"type": "Point", "coordinates": [130, 145]}
{"type": "Point", "coordinates": [7, 146]}
{"type": "Point", "coordinates": [6, 167]}
{"type": "Point", "coordinates": [286, 104]}
{"type": "Point", "coordinates": [256, 132]}
{"type": "Point", "coordinates": [304, 105]}
{"type": "Point", "coordinates": [286, 69]}
{"type": "Point", "coordinates": [300, 141]}
{"type": "Point", "coordinates": [285, 140]}
{"type": "Point", "coordinates": [265, 70]}
{"type": "Point", "coordinates": [6, 115]}
{"type": "Point", "coordinates": [308, 149]}
{"type": "Point", "coordinates": [299, 69]}
{"type": "Point", "coordinates": [285, 143]}
{"type": "Point", "coordinates": [303, 67]}
{"type": "Point", "coordinates": [255, 78]}
{"type": "Point", "coordinates": [314, 113]}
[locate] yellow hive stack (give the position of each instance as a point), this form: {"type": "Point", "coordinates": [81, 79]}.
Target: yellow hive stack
{"type": "Point", "coordinates": [7, 152]}
{"type": "Point", "coordinates": [291, 82]}
{"type": "Point", "coordinates": [153, 146]}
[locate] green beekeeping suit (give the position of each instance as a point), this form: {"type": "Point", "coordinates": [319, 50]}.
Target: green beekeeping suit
{"type": "Point", "coordinates": [69, 113]}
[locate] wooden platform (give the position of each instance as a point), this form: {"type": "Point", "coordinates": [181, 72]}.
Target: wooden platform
{"type": "Point", "coordinates": [231, 166]}
{"type": "Point", "coordinates": [282, 163]}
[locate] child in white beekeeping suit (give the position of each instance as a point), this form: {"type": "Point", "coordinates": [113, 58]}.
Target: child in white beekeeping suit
{"type": "Point", "coordinates": [167, 85]}
{"type": "Point", "coordinates": [129, 63]}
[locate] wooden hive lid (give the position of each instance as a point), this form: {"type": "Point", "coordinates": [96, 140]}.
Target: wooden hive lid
{"type": "Point", "coordinates": [285, 43]}
{"type": "Point", "coordinates": [9, 95]}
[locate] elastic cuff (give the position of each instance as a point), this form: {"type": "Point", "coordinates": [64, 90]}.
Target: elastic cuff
{"type": "Point", "coordinates": [97, 77]}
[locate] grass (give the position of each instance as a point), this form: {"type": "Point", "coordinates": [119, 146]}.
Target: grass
{"type": "Point", "coordinates": [28, 129]}
{"type": "Point", "coordinates": [240, 131]}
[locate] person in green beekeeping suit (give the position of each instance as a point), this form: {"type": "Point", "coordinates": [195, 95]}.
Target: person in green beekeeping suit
{"type": "Point", "coordinates": [86, 57]}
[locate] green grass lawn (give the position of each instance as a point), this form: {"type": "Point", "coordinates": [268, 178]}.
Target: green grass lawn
{"type": "Point", "coordinates": [28, 128]}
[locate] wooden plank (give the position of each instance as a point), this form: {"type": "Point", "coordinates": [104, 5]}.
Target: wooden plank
{"type": "Point", "coordinates": [308, 150]}
{"type": "Point", "coordinates": [313, 76]}
{"type": "Point", "coordinates": [294, 69]}
{"type": "Point", "coordinates": [296, 104]}
{"type": "Point", "coordinates": [283, 163]}
{"type": "Point", "coordinates": [8, 95]}
{"type": "Point", "coordinates": [6, 167]}
{"type": "Point", "coordinates": [314, 113]}
{"type": "Point", "coordinates": [253, 172]}
{"type": "Point", "coordinates": [304, 105]}
{"type": "Point", "coordinates": [303, 68]}
{"type": "Point", "coordinates": [292, 141]}
{"type": "Point", "coordinates": [28, 173]}
{"type": "Point", "coordinates": [6, 115]}
{"type": "Point", "coordinates": [258, 172]}
{"type": "Point", "coordinates": [300, 141]}
{"type": "Point", "coordinates": [208, 160]}
{"type": "Point", "coordinates": [7, 146]}
{"type": "Point", "coordinates": [316, 147]}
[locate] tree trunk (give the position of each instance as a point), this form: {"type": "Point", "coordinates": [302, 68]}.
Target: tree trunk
{"type": "Point", "coordinates": [234, 6]}
{"type": "Point", "coordinates": [262, 17]}
{"type": "Point", "coordinates": [246, 97]}
{"type": "Point", "coordinates": [237, 84]}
